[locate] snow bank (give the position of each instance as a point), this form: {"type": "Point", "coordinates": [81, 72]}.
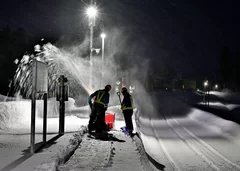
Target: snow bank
{"type": "Point", "coordinates": [226, 95]}
{"type": "Point", "coordinates": [17, 114]}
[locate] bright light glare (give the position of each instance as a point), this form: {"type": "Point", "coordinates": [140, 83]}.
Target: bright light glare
{"type": "Point", "coordinates": [216, 86]}
{"type": "Point", "coordinates": [91, 12]}
{"type": "Point", "coordinates": [103, 35]}
{"type": "Point", "coordinates": [206, 83]}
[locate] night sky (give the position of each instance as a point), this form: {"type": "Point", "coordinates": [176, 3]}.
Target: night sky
{"type": "Point", "coordinates": [188, 35]}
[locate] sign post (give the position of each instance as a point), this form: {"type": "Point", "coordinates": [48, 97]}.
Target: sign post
{"type": "Point", "coordinates": [62, 96]}
{"type": "Point", "coordinates": [45, 118]}
{"type": "Point", "coordinates": [39, 85]}
{"type": "Point", "coordinates": [33, 109]}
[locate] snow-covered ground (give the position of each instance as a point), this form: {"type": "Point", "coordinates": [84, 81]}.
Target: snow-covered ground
{"type": "Point", "coordinates": [15, 130]}
{"type": "Point", "coordinates": [181, 137]}
{"type": "Point", "coordinates": [174, 136]}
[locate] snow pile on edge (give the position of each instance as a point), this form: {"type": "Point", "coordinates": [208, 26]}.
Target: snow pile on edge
{"type": "Point", "coordinates": [64, 154]}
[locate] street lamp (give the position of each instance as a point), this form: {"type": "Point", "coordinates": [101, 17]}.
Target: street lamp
{"type": "Point", "coordinates": [92, 13]}
{"type": "Point", "coordinates": [103, 36]}
{"type": "Point", "coordinates": [206, 85]}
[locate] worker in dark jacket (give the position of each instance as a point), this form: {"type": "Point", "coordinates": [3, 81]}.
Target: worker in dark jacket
{"type": "Point", "coordinates": [99, 106]}
{"type": "Point", "coordinates": [127, 109]}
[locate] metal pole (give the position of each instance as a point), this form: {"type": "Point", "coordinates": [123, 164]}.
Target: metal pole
{"type": "Point", "coordinates": [60, 109]}
{"type": "Point", "coordinates": [63, 110]}
{"type": "Point", "coordinates": [44, 117]}
{"type": "Point", "coordinates": [102, 60]}
{"type": "Point", "coordinates": [204, 95]}
{"type": "Point", "coordinates": [33, 109]}
{"type": "Point", "coordinates": [91, 24]}
{"type": "Point", "coordinates": [62, 98]}
{"type": "Point", "coordinates": [208, 95]}
{"type": "Point", "coordinates": [91, 62]}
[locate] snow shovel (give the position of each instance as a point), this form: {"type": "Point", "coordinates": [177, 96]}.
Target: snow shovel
{"type": "Point", "coordinates": [118, 93]}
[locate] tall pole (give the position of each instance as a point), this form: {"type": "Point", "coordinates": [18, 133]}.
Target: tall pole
{"type": "Point", "coordinates": [92, 13]}
{"type": "Point", "coordinates": [33, 109]}
{"type": "Point", "coordinates": [45, 96]}
{"type": "Point", "coordinates": [103, 38]}
{"type": "Point", "coordinates": [91, 63]}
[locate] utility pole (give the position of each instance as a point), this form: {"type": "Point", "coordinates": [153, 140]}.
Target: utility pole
{"type": "Point", "coordinates": [103, 36]}
{"type": "Point", "coordinates": [92, 15]}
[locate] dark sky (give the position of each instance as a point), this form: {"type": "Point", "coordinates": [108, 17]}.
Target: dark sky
{"type": "Point", "coordinates": [186, 34]}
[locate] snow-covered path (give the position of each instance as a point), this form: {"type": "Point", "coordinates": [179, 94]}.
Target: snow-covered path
{"type": "Point", "coordinates": [117, 154]}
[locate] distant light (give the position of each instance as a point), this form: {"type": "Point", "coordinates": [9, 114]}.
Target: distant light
{"type": "Point", "coordinates": [216, 86]}
{"type": "Point", "coordinates": [42, 39]}
{"type": "Point", "coordinates": [92, 12]}
{"type": "Point", "coordinates": [197, 89]}
{"type": "Point", "coordinates": [206, 83]}
{"type": "Point", "coordinates": [103, 35]}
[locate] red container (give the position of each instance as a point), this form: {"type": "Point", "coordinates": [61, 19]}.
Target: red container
{"type": "Point", "coordinates": [110, 119]}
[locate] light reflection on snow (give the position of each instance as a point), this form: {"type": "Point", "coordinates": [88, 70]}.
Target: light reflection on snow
{"type": "Point", "coordinates": [221, 105]}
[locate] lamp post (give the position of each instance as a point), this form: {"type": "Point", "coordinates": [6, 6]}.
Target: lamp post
{"type": "Point", "coordinates": [205, 85]}
{"type": "Point", "coordinates": [91, 12]}
{"type": "Point", "coordinates": [103, 36]}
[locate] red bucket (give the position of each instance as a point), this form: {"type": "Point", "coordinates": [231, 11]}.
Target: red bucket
{"type": "Point", "coordinates": [110, 119]}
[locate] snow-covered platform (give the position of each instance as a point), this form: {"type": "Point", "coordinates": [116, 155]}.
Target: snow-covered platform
{"type": "Point", "coordinates": [120, 152]}
{"type": "Point", "coordinates": [77, 151]}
